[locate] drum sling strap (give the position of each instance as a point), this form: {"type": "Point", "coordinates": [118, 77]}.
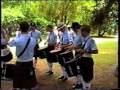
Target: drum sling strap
{"type": "Point", "coordinates": [24, 48]}
{"type": "Point", "coordinates": [83, 46]}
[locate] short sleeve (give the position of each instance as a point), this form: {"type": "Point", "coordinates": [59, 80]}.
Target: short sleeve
{"type": "Point", "coordinates": [93, 45]}
{"type": "Point", "coordinates": [13, 42]}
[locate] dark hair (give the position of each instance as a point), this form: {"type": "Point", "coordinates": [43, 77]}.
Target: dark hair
{"type": "Point", "coordinates": [86, 28]}
{"type": "Point", "coordinates": [24, 26]}
{"type": "Point", "coordinates": [75, 25]}
{"type": "Point", "coordinates": [50, 26]}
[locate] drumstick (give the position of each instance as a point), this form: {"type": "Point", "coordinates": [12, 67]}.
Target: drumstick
{"type": "Point", "coordinates": [74, 59]}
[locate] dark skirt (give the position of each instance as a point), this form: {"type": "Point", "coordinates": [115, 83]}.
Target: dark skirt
{"type": "Point", "coordinates": [36, 51]}
{"type": "Point", "coordinates": [24, 75]}
{"type": "Point", "coordinates": [86, 68]}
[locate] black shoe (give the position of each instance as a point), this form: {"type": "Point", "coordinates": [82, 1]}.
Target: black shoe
{"type": "Point", "coordinates": [50, 73]}
{"type": "Point", "coordinates": [77, 86]}
{"type": "Point", "coordinates": [62, 77]}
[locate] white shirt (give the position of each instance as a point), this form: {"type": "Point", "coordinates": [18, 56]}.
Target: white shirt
{"type": "Point", "coordinates": [52, 38]}
{"type": "Point", "coordinates": [89, 46]}
{"type": "Point", "coordinates": [65, 38]}
{"type": "Point", "coordinates": [19, 43]}
{"type": "Point", "coordinates": [36, 34]}
{"type": "Point", "coordinates": [77, 40]}
{"type": "Point", "coordinates": [72, 34]}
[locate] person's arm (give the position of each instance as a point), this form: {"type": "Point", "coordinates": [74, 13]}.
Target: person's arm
{"type": "Point", "coordinates": [13, 42]}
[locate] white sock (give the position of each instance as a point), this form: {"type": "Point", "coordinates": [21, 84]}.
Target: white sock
{"type": "Point", "coordinates": [64, 73]}
{"type": "Point", "coordinates": [78, 79]}
{"type": "Point", "coordinates": [50, 66]}
{"type": "Point", "coordinates": [86, 85]}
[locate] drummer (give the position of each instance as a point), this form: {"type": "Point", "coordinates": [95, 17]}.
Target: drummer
{"type": "Point", "coordinates": [86, 62]}
{"type": "Point", "coordinates": [77, 45]}
{"type": "Point", "coordinates": [37, 35]}
{"type": "Point", "coordinates": [52, 40]}
{"type": "Point", "coordinates": [65, 40]}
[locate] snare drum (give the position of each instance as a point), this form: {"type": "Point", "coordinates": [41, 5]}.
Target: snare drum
{"type": "Point", "coordinates": [42, 53]}
{"type": "Point", "coordinates": [54, 55]}
{"type": "Point", "coordinates": [64, 57]}
{"type": "Point", "coordinates": [71, 68]}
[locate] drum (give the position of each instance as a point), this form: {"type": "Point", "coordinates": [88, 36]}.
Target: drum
{"type": "Point", "coordinates": [53, 56]}
{"type": "Point", "coordinates": [64, 57]}
{"type": "Point", "coordinates": [6, 55]}
{"type": "Point", "coordinates": [71, 68]}
{"type": "Point", "coordinates": [42, 53]}
{"type": "Point", "coordinates": [7, 71]}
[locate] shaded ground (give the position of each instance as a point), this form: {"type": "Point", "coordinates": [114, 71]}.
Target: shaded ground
{"type": "Point", "coordinates": [103, 67]}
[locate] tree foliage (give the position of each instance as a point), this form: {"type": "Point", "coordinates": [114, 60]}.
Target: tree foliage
{"type": "Point", "coordinates": [46, 12]}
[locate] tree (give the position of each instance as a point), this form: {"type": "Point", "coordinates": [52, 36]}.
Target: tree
{"type": "Point", "coordinates": [102, 17]}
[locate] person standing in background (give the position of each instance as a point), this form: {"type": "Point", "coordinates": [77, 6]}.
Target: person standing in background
{"type": "Point", "coordinates": [65, 41]}
{"type": "Point", "coordinates": [37, 35]}
{"type": "Point", "coordinates": [52, 41]}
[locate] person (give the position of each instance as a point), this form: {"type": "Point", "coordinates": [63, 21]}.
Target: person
{"type": "Point", "coordinates": [52, 41]}
{"type": "Point", "coordinates": [37, 35]}
{"type": "Point", "coordinates": [65, 40]}
{"type": "Point", "coordinates": [72, 34]}
{"type": "Point", "coordinates": [24, 73]}
{"type": "Point", "coordinates": [86, 61]}
{"type": "Point", "coordinates": [77, 45]}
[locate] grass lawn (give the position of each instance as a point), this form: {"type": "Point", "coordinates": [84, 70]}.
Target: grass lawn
{"type": "Point", "coordinates": [104, 65]}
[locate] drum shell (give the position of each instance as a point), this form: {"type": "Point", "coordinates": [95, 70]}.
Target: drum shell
{"type": "Point", "coordinates": [62, 58]}
{"type": "Point", "coordinates": [71, 68]}
{"type": "Point", "coordinates": [53, 57]}
{"type": "Point", "coordinates": [42, 53]}
{"type": "Point", "coordinates": [7, 58]}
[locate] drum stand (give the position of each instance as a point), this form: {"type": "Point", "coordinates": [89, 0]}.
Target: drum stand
{"type": "Point", "coordinates": [3, 67]}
